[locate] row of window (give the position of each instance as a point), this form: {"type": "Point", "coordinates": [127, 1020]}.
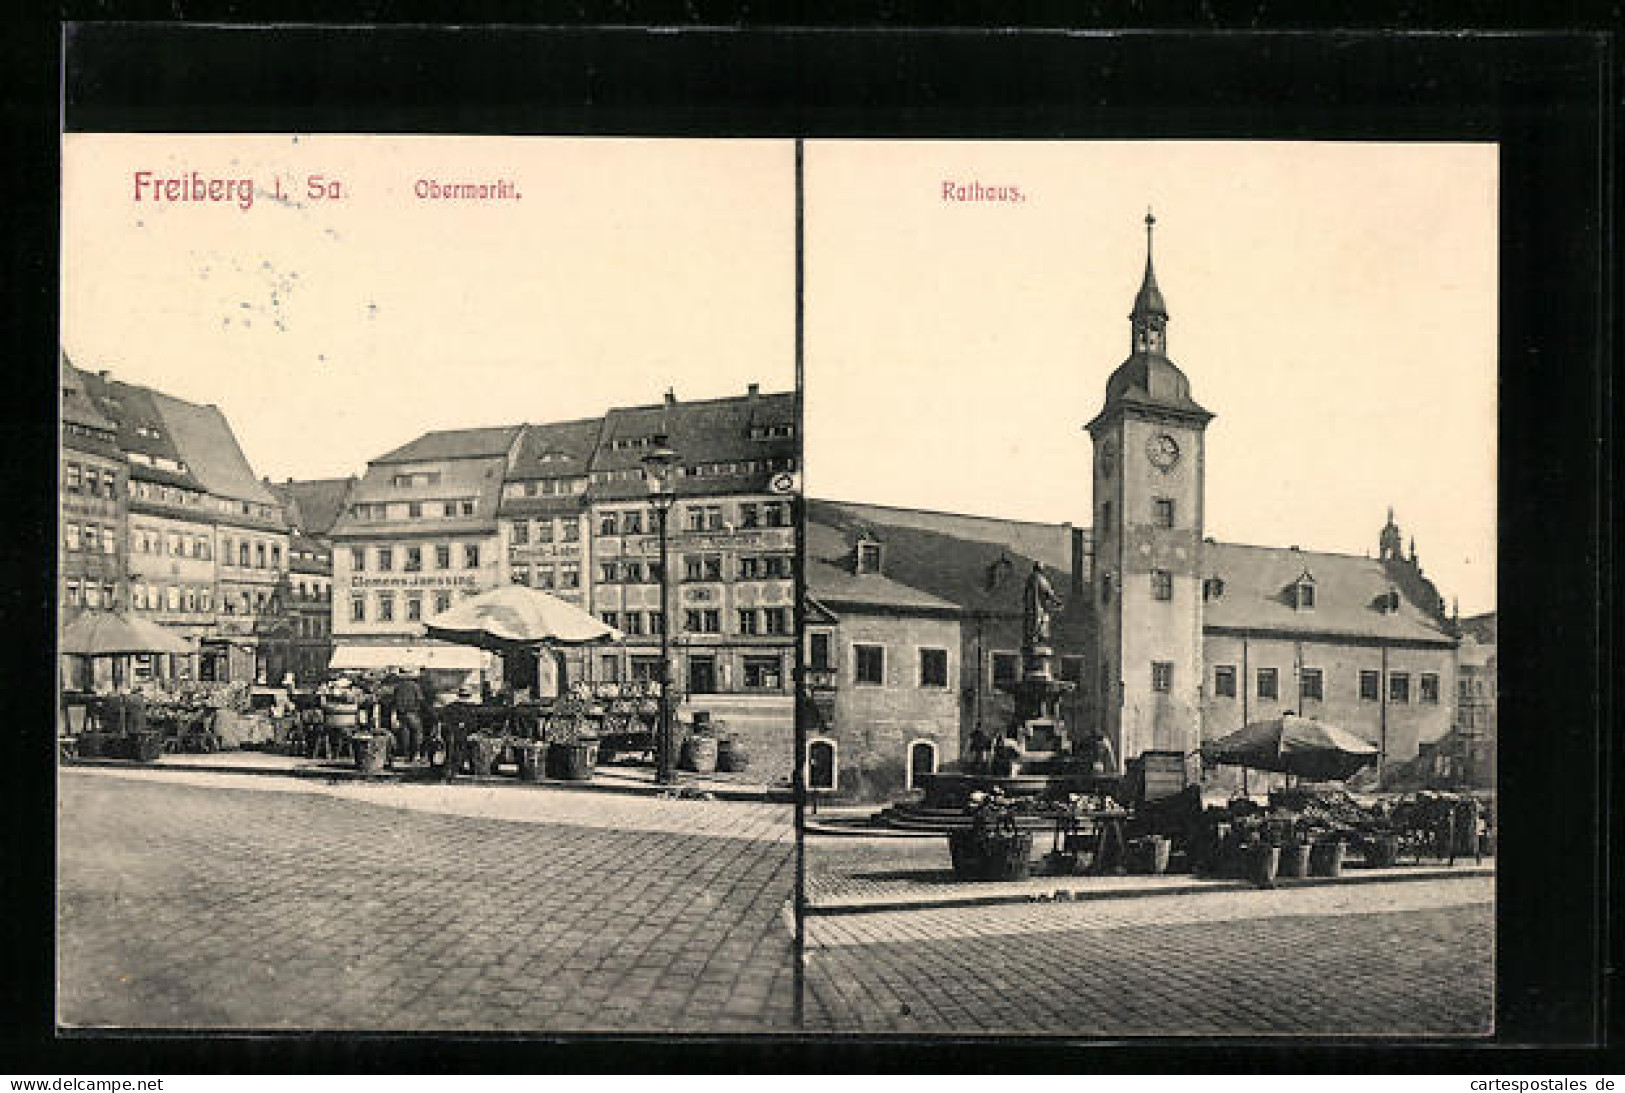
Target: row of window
{"type": "Point", "coordinates": [78, 593]}
{"type": "Point", "coordinates": [1163, 512]}
{"type": "Point", "coordinates": [635, 623]}
{"type": "Point", "coordinates": [412, 510]}
{"type": "Point", "coordinates": [169, 495]}
{"type": "Point", "coordinates": [869, 663]}
{"type": "Point", "coordinates": [92, 481]}
{"type": "Point", "coordinates": [566, 575]}
{"type": "Point", "coordinates": [412, 558]}
{"type": "Point", "coordinates": [548, 487]}
{"type": "Point", "coordinates": [384, 610]}
{"type": "Point", "coordinates": [1312, 684]}
{"type": "Point", "coordinates": [90, 537]}
{"type": "Point", "coordinates": [144, 540]}
{"type": "Point", "coordinates": [869, 666]}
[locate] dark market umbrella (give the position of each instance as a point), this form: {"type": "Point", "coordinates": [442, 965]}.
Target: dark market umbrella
{"type": "Point", "coordinates": [1291, 744]}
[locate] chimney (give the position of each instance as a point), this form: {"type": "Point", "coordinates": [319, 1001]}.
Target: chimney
{"type": "Point", "coordinates": [752, 391]}
{"type": "Point", "coordinates": [102, 372]}
{"type": "Point", "coordinates": [671, 396]}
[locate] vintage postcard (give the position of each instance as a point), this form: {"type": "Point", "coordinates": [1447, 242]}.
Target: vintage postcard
{"type": "Point", "coordinates": [427, 584]}
{"type": "Point", "coordinates": [1151, 669]}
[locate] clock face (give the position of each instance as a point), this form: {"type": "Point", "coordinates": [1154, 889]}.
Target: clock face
{"type": "Point", "coordinates": [1163, 451]}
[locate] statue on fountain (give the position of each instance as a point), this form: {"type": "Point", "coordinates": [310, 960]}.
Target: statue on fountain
{"type": "Point", "coordinates": [1040, 602]}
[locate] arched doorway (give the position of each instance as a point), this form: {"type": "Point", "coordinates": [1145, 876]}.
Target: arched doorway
{"type": "Point", "coordinates": [822, 770]}
{"type": "Point", "coordinates": [922, 759]}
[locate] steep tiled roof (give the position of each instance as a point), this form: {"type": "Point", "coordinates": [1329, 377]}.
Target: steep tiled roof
{"type": "Point", "coordinates": [981, 575]}
{"type": "Point", "coordinates": [480, 479]}
{"type": "Point", "coordinates": [561, 449]}
{"type": "Point", "coordinates": [313, 505]}
{"type": "Point", "coordinates": [204, 438]}
{"type": "Point", "coordinates": [1348, 591]}
{"type": "Point", "coordinates": [142, 430]}
{"type": "Point", "coordinates": [455, 444]}
{"type": "Point", "coordinates": [1047, 543]}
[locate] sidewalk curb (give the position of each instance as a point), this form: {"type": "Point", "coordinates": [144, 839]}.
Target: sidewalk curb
{"type": "Point", "coordinates": [1085, 895]}
{"type": "Point", "coordinates": [767, 795]}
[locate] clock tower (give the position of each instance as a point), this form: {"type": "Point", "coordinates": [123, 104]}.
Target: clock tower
{"type": "Point", "coordinates": [1149, 462]}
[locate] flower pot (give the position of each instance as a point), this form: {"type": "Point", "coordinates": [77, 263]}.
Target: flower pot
{"type": "Point", "coordinates": [978, 855]}
{"type": "Point", "coordinates": [573, 762]}
{"type": "Point", "coordinates": [731, 758]}
{"type": "Point", "coordinates": [483, 753]}
{"type": "Point", "coordinates": [1326, 859]}
{"type": "Point", "coordinates": [144, 747]}
{"type": "Point", "coordinates": [698, 754]}
{"type": "Point", "coordinates": [1295, 860]}
{"type": "Point", "coordinates": [532, 757]}
{"type": "Point", "coordinates": [1149, 855]}
{"type": "Point", "coordinates": [369, 750]}
{"type": "Point", "coordinates": [1262, 864]}
{"type": "Point", "coordinates": [1382, 851]}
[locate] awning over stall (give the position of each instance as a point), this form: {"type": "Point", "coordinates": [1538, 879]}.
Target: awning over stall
{"type": "Point", "coordinates": [357, 658]}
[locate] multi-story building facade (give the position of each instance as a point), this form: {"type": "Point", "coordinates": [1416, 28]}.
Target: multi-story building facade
{"type": "Point", "coordinates": [93, 539]}
{"type": "Point", "coordinates": [420, 530]}
{"type": "Point", "coordinates": [191, 497]}
{"type": "Point", "coordinates": [311, 507]}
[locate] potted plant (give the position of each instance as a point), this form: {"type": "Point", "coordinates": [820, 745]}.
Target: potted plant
{"type": "Point", "coordinates": [993, 847]}
{"type": "Point", "coordinates": [699, 750]}
{"type": "Point", "coordinates": [572, 750]}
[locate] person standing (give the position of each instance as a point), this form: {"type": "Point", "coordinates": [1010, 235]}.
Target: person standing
{"type": "Point", "coordinates": [407, 701]}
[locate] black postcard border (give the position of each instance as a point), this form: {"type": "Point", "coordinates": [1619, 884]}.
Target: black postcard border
{"type": "Point", "coordinates": [1545, 97]}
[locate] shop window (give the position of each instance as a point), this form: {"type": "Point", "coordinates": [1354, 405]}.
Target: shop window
{"type": "Point", "coordinates": [1162, 676]}
{"type": "Point", "coordinates": [1006, 667]}
{"type": "Point", "coordinates": [747, 621]}
{"type": "Point", "coordinates": [1224, 681]}
{"type": "Point", "coordinates": [1399, 687]}
{"type": "Point", "coordinates": [922, 759]}
{"type": "Point", "coordinates": [1311, 685]}
{"type": "Point", "coordinates": [1370, 686]}
{"type": "Point", "coordinates": [823, 769]}
{"type": "Point", "coordinates": [1269, 683]}
{"type": "Point", "coordinates": [1162, 584]}
{"type": "Point", "coordinates": [869, 665]}
{"type": "Point", "coordinates": [1429, 692]}
{"type": "Point", "coordinates": [764, 674]}
{"type": "Point", "coordinates": [933, 667]}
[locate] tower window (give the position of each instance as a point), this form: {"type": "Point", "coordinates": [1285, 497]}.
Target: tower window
{"type": "Point", "coordinates": [1162, 584]}
{"type": "Point", "coordinates": [1162, 510]}
{"type": "Point", "coordinates": [1162, 676]}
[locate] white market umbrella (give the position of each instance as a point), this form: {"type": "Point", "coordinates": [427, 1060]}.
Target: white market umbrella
{"type": "Point", "coordinates": [518, 615]}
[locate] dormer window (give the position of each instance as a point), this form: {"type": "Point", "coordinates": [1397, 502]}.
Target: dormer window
{"type": "Point", "coordinates": [868, 556]}
{"type": "Point", "coordinates": [1303, 592]}
{"type": "Point", "coordinates": [1388, 602]}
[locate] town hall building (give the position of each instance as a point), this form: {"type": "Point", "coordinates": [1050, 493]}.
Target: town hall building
{"type": "Point", "coordinates": [1168, 637]}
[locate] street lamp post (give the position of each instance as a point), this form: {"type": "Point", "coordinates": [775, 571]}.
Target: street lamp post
{"type": "Point", "coordinates": [660, 466]}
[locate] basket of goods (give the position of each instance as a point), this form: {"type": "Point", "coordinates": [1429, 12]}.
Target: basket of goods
{"type": "Point", "coordinates": [483, 751]}
{"type": "Point", "coordinates": [532, 758]}
{"type": "Point", "coordinates": [732, 758]}
{"type": "Point", "coordinates": [993, 847]}
{"type": "Point", "coordinates": [572, 749]}
{"type": "Point", "coordinates": [370, 750]}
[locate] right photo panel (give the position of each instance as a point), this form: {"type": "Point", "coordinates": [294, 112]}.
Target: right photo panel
{"type": "Point", "coordinates": [1149, 678]}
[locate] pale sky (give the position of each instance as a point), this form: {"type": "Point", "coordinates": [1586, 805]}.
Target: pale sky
{"type": "Point", "coordinates": [1333, 304]}
{"type": "Point", "coordinates": [330, 332]}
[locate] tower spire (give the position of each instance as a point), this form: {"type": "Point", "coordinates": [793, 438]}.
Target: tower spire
{"type": "Point", "coordinates": [1149, 319]}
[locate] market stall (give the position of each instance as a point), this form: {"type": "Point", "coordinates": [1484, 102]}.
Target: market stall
{"type": "Point", "coordinates": [112, 725]}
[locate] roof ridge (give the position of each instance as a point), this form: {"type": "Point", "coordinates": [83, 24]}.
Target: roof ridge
{"type": "Point", "coordinates": [944, 512]}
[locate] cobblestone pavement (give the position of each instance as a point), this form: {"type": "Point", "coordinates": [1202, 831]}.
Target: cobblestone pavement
{"type": "Point", "coordinates": [1406, 959]}
{"type": "Point", "coordinates": [211, 901]}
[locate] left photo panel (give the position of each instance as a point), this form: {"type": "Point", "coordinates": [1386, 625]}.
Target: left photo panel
{"type": "Point", "coordinates": [427, 584]}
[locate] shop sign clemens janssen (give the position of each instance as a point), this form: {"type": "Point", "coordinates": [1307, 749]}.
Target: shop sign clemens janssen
{"type": "Point", "coordinates": [421, 580]}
